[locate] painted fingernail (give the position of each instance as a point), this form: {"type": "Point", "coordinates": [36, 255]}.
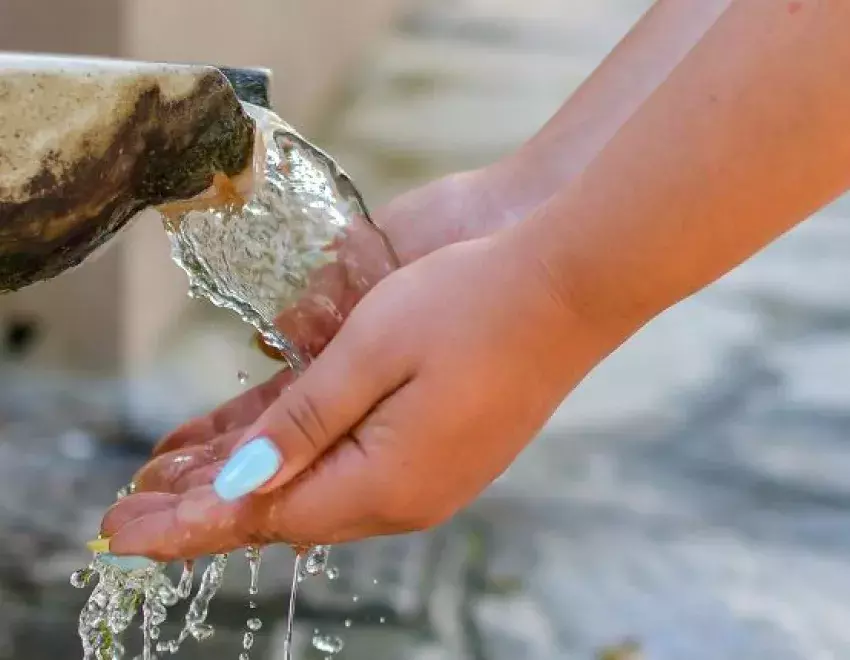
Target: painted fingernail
{"type": "Point", "coordinates": [98, 545]}
{"type": "Point", "coordinates": [250, 466]}
{"type": "Point", "coordinates": [126, 563]}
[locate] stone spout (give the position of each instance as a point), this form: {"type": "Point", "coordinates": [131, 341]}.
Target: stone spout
{"type": "Point", "coordinates": [86, 144]}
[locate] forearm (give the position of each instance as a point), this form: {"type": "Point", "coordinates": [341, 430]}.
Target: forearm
{"type": "Point", "coordinates": [601, 105]}
{"type": "Point", "coordinates": [475, 204]}
{"type": "Point", "coordinates": [745, 138]}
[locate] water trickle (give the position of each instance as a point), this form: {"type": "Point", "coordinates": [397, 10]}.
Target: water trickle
{"type": "Point", "coordinates": [290, 616]}
{"type": "Point", "coordinates": [194, 622]}
{"type": "Point", "coordinates": [80, 579]}
{"type": "Point", "coordinates": [187, 577]}
{"type": "Point", "coordinates": [113, 604]}
{"type": "Point", "coordinates": [254, 623]}
{"type": "Point", "coordinates": [316, 561]}
{"type": "Point", "coordinates": [253, 556]}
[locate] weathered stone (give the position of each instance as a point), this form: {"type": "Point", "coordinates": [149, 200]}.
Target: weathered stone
{"type": "Point", "coordinates": [99, 141]}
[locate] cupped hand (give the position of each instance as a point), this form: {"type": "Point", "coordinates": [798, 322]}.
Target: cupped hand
{"type": "Point", "coordinates": [440, 376]}
{"type": "Point", "coordinates": [455, 208]}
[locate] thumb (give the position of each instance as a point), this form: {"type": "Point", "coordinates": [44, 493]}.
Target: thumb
{"type": "Point", "coordinates": [353, 374]}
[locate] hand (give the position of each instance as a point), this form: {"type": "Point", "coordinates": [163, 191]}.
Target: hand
{"type": "Point", "coordinates": [455, 208]}
{"type": "Point", "coordinates": [440, 376]}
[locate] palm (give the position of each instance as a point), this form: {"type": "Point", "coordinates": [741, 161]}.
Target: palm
{"type": "Point", "coordinates": [446, 211]}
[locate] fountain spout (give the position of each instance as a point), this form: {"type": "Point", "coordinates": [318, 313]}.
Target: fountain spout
{"type": "Point", "coordinates": [86, 144]}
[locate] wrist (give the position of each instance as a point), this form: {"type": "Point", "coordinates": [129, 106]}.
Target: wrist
{"type": "Point", "coordinates": [576, 279]}
{"type": "Point", "coordinates": [561, 342]}
{"type": "Point", "coordinates": [459, 207]}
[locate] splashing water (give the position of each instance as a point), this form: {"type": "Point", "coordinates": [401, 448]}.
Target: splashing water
{"type": "Point", "coordinates": [251, 244]}
{"type": "Point", "coordinates": [253, 256]}
{"type": "Point", "coordinates": [330, 644]}
{"type": "Point", "coordinates": [316, 561]}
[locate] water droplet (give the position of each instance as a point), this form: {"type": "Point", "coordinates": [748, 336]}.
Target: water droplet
{"type": "Point", "coordinates": [81, 578]}
{"type": "Point", "coordinates": [328, 644]}
{"type": "Point", "coordinates": [247, 640]}
{"type": "Point", "coordinates": [332, 573]}
{"type": "Point", "coordinates": [253, 556]}
{"type": "Point", "coordinates": [184, 586]}
{"type": "Point", "coordinates": [202, 631]}
{"type": "Point", "coordinates": [347, 623]}
{"type": "Point", "coordinates": [375, 581]}
{"type": "Point", "coordinates": [355, 598]}
{"type": "Point", "coordinates": [243, 377]}
{"type": "Point", "coordinates": [383, 619]}
{"type": "Point", "coordinates": [317, 560]}
{"type": "Point", "coordinates": [254, 624]}
{"type": "Point", "coordinates": [168, 595]}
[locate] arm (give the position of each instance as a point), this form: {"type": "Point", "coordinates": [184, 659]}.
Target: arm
{"type": "Point", "coordinates": [746, 137]}
{"type": "Point", "coordinates": [450, 366]}
{"type": "Point", "coordinates": [600, 107]}
{"type": "Point", "coordinates": [509, 190]}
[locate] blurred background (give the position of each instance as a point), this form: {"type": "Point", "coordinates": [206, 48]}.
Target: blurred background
{"type": "Point", "coordinates": [690, 497]}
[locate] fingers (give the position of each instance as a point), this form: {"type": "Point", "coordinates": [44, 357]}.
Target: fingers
{"type": "Point", "coordinates": [338, 390]}
{"type": "Point", "coordinates": [189, 526]}
{"type": "Point", "coordinates": [235, 414]}
{"type": "Point", "coordinates": [162, 473]}
{"type": "Point", "coordinates": [182, 469]}
{"type": "Point", "coordinates": [317, 316]}
{"type": "Point", "coordinates": [362, 258]}
{"type": "Point", "coordinates": [309, 512]}
{"type": "Point", "coordinates": [362, 487]}
{"type": "Point", "coordinates": [133, 507]}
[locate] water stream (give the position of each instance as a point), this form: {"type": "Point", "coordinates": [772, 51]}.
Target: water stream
{"type": "Point", "coordinates": [250, 245]}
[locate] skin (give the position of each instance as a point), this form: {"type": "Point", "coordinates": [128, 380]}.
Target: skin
{"type": "Point", "coordinates": [712, 129]}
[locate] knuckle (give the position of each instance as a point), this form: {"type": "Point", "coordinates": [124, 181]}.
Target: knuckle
{"type": "Point", "coordinates": [304, 415]}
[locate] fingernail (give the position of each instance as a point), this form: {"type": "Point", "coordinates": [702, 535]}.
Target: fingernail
{"type": "Point", "coordinates": [250, 466]}
{"type": "Point", "coordinates": [126, 563]}
{"type": "Point", "coordinates": [98, 545]}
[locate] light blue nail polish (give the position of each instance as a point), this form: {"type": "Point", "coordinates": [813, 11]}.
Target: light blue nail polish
{"type": "Point", "coordinates": [126, 563]}
{"type": "Point", "coordinates": [252, 465]}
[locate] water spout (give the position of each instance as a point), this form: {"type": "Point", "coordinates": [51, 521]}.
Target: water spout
{"type": "Point", "coordinates": [86, 144]}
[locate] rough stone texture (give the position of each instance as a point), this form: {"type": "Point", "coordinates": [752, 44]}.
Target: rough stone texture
{"type": "Point", "coordinates": [691, 494]}
{"type": "Point", "coordinates": [99, 141]}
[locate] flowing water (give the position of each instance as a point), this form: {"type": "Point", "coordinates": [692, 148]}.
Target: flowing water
{"type": "Point", "coordinates": [250, 245]}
